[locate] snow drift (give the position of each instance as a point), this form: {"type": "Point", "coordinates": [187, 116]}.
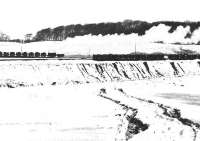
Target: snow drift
{"type": "Point", "coordinates": [38, 73]}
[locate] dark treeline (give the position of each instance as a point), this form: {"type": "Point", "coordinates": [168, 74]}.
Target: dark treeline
{"type": "Point", "coordinates": [126, 27]}
{"type": "Point", "coordinates": [62, 32]}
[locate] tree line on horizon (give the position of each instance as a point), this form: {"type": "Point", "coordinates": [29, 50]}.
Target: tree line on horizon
{"type": "Point", "coordinates": [63, 32]}
{"type": "Point", "coordinates": [126, 27]}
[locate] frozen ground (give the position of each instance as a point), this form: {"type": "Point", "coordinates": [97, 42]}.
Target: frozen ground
{"type": "Point", "coordinates": [54, 72]}
{"type": "Point", "coordinates": [88, 45]}
{"type": "Point", "coordinates": [88, 100]}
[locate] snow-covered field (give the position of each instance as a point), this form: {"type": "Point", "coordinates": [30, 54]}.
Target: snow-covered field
{"type": "Point", "coordinates": [89, 100]}
{"type": "Point", "coordinates": [88, 45]}
{"type": "Point", "coordinates": [56, 113]}
{"type": "Point", "coordinates": [63, 72]}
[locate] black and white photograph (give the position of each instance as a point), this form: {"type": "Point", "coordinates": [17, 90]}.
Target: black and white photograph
{"type": "Point", "coordinates": [99, 70]}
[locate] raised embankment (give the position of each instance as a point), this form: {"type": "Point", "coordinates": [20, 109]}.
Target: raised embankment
{"type": "Point", "coordinates": [37, 73]}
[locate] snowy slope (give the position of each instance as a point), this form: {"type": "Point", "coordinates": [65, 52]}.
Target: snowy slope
{"type": "Point", "coordinates": [9, 46]}
{"type": "Point", "coordinates": [115, 44]}
{"type": "Point", "coordinates": [85, 45]}
{"type": "Point", "coordinates": [39, 73]}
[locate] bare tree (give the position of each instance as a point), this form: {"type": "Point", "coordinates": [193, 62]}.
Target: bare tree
{"type": "Point", "coordinates": [28, 37]}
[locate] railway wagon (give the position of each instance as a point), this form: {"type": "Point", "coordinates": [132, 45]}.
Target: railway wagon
{"type": "Point", "coordinates": [37, 54]}
{"type": "Point", "coordinates": [137, 57]}
{"type": "Point", "coordinates": [18, 54]}
{"type": "Point", "coordinates": [12, 54]}
{"type": "Point", "coordinates": [30, 55]}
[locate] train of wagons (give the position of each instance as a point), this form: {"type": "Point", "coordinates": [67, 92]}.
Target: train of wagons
{"type": "Point", "coordinates": [103, 57]}
{"type": "Point", "coordinates": [137, 57]}
{"type": "Point", "coordinates": [30, 55]}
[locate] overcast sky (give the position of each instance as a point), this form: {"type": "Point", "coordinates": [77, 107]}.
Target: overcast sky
{"type": "Point", "coordinates": [18, 17]}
